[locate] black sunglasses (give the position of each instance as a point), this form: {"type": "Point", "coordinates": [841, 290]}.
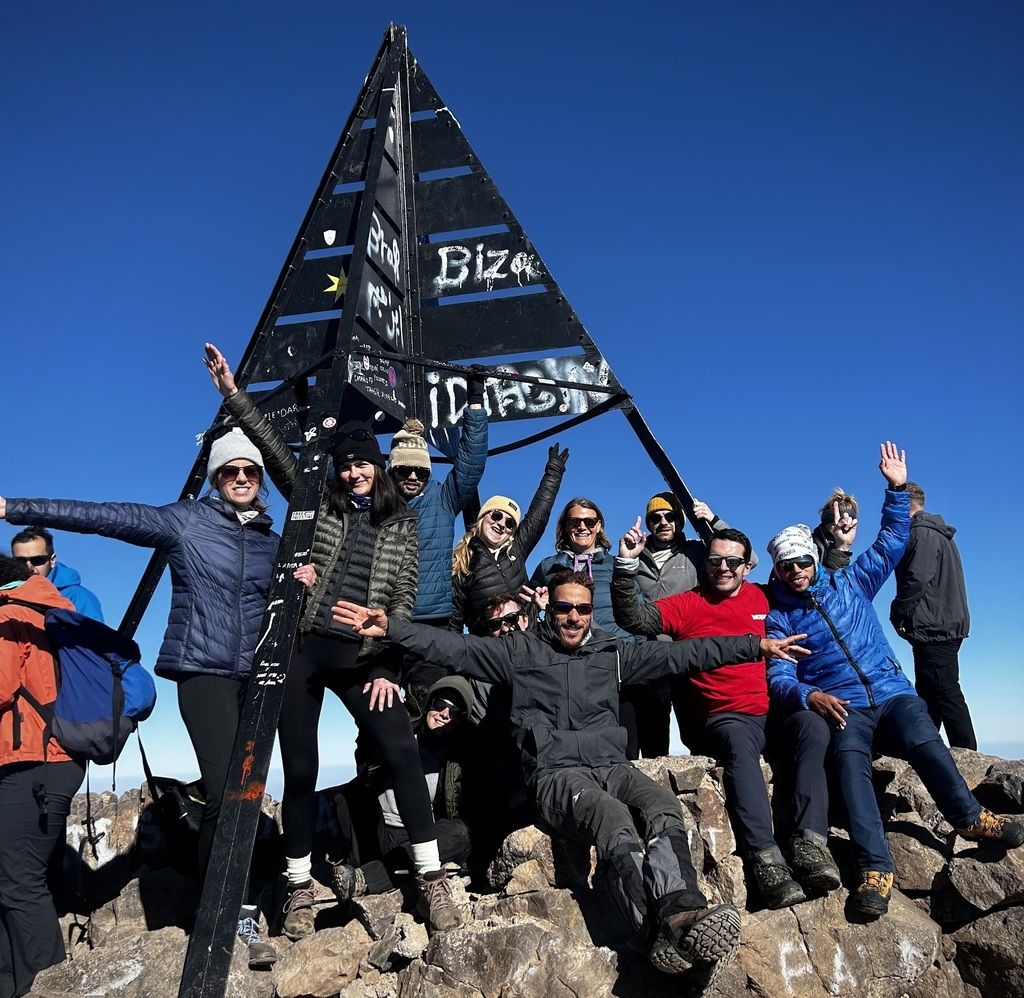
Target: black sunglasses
{"type": "Point", "coordinates": [512, 619]}
{"type": "Point", "coordinates": [407, 471]}
{"type": "Point", "coordinates": [582, 521]}
{"type": "Point", "coordinates": [440, 704]}
{"type": "Point", "coordinates": [498, 517]}
{"type": "Point", "coordinates": [661, 515]}
{"type": "Point", "coordinates": [804, 561]}
{"type": "Point", "coordinates": [564, 607]}
{"type": "Point", "coordinates": [714, 560]}
{"type": "Point", "coordinates": [250, 472]}
{"type": "Point", "coordinates": [35, 560]}
{"type": "Point", "coordinates": [356, 434]}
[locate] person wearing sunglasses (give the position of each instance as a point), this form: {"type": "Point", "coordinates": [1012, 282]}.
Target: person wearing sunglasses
{"type": "Point", "coordinates": [436, 504]}
{"type": "Point", "coordinates": [33, 546]}
{"type": "Point", "coordinates": [724, 713]}
{"type": "Point", "coordinates": [835, 533]}
{"type": "Point", "coordinates": [853, 679]}
{"type": "Point", "coordinates": [221, 552]}
{"type": "Point", "coordinates": [364, 547]}
{"type": "Point", "coordinates": [491, 557]}
{"type": "Point", "coordinates": [444, 734]}
{"type": "Point", "coordinates": [564, 679]}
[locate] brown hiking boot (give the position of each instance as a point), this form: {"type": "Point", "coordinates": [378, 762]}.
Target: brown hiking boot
{"type": "Point", "coordinates": [995, 829]}
{"type": "Point", "coordinates": [707, 938]}
{"type": "Point", "coordinates": [435, 905]}
{"type": "Point", "coordinates": [873, 893]}
{"type": "Point", "coordinates": [299, 914]}
{"type": "Point", "coordinates": [347, 882]}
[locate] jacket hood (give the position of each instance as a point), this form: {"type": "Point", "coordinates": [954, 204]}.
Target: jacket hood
{"type": "Point", "coordinates": [461, 687]}
{"type": "Point", "coordinates": [933, 522]}
{"type": "Point", "coordinates": [62, 576]}
{"type": "Point", "coordinates": [38, 590]}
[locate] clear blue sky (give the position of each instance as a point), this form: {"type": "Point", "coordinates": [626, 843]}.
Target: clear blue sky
{"type": "Point", "coordinates": [794, 230]}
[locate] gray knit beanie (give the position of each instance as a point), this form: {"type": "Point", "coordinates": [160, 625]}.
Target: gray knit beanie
{"type": "Point", "coordinates": [232, 446]}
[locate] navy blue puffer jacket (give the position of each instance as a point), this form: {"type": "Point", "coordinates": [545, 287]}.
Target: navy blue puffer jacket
{"type": "Point", "coordinates": [220, 572]}
{"type": "Point", "coordinates": [842, 599]}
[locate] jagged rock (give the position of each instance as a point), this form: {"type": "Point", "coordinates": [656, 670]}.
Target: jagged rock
{"type": "Point", "coordinates": [558, 907]}
{"type": "Point", "coordinates": [973, 766]}
{"type": "Point", "coordinates": [156, 899]}
{"type": "Point", "coordinates": [148, 966]}
{"type": "Point", "coordinates": [681, 774]}
{"type": "Point", "coordinates": [984, 880]}
{"type": "Point", "coordinates": [377, 911]}
{"type": "Point", "coordinates": [713, 822]}
{"type": "Point", "coordinates": [322, 965]}
{"type": "Point", "coordinates": [563, 863]}
{"type": "Point", "coordinates": [813, 950]}
{"type": "Point", "coordinates": [942, 980]}
{"type": "Point", "coordinates": [917, 853]}
{"type": "Point", "coordinates": [525, 878]}
{"type": "Point", "coordinates": [115, 819]}
{"type": "Point", "coordinates": [419, 980]}
{"type": "Point", "coordinates": [727, 882]}
{"type": "Point", "coordinates": [412, 937]}
{"type": "Point", "coordinates": [989, 953]}
{"type": "Point", "coordinates": [1002, 790]}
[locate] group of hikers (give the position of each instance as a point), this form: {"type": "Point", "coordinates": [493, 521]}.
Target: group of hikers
{"type": "Point", "coordinates": [536, 714]}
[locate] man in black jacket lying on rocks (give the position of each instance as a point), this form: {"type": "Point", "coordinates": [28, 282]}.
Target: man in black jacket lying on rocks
{"type": "Point", "coordinates": [565, 678]}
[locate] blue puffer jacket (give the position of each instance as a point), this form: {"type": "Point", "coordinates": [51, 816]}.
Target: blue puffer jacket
{"type": "Point", "coordinates": [599, 566]}
{"type": "Point", "coordinates": [69, 582]}
{"type": "Point", "coordinates": [844, 598]}
{"type": "Point", "coordinates": [436, 508]}
{"type": "Point", "coordinates": [220, 572]}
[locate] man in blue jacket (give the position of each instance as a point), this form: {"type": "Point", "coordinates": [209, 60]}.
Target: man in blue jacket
{"type": "Point", "coordinates": [437, 504]}
{"type": "Point", "coordinates": [853, 680]}
{"type": "Point", "coordinates": [33, 546]}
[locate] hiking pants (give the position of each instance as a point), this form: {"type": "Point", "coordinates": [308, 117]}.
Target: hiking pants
{"type": "Point", "coordinates": [900, 727]}
{"type": "Point", "coordinates": [937, 678]}
{"type": "Point", "coordinates": [34, 804]}
{"type": "Point", "coordinates": [649, 867]}
{"type": "Point", "coordinates": [796, 748]}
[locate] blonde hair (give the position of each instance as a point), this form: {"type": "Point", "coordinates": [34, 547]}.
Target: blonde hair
{"type": "Point", "coordinates": [841, 497]}
{"type": "Point", "coordinates": [462, 554]}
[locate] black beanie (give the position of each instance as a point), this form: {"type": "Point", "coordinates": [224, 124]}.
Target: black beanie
{"type": "Point", "coordinates": [354, 441]}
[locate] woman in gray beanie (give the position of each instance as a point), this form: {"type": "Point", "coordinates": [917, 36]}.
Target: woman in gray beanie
{"type": "Point", "coordinates": [221, 552]}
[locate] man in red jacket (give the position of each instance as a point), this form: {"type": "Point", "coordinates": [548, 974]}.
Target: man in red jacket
{"type": "Point", "coordinates": [37, 782]}
{"type": "Point", "coordinates": [729, 709]}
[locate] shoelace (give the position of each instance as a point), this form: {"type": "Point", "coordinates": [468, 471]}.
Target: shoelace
{"type": "Point", "coordinates": [439, 893]}
{"type": "Point", "coordinates": [988, 824]}
{"type": "Point", "coordinates": [302, 897]}
{"type": "Point", "coordinates": [875, 880]}
{"type": "Point", "coordinates": [773, 873]}
{"type": "Point", "coordinates": [248, 930]}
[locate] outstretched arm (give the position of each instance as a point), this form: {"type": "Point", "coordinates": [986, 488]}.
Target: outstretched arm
{"type": "Point", "coordinates": [468, 467]}
{"type": "Point", "coordinates": [632, 612]}
{"type": "Point", "coordinates": [533, 524]}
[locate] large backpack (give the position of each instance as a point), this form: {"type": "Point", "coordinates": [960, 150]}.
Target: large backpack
{"type": "Point", "coordinates": [103, 692]}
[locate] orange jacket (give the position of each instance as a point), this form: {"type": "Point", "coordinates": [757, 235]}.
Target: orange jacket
{"type": "Point", "coordinates": [26, 660]}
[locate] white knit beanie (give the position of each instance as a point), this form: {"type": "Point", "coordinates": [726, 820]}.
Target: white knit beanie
{"type": "Point", "coordinates": [408, 448]}
{"type": "Point", "coordinates": [232, 446]}
{"type": "Point", "coordinates": [792, 542]}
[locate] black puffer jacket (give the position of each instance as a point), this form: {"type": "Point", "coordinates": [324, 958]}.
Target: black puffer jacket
{"type": "Point", "coordinates": [394, 571]}
{"type": "Point", "coordinates": [489, 575]}
{"type": "Point", "coordinates": [931, 597]}
{"type": "Point", "coordinates": [565, 705]}
{"type": "Point", "coordinates": [220, 572]}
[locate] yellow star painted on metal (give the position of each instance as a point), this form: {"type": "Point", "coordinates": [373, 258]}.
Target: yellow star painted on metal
{"type": "Point", "coordinates": [339, 285]}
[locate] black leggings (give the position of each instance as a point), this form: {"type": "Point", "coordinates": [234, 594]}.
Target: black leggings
{"type": "Point", "coordinates": [320, 664]}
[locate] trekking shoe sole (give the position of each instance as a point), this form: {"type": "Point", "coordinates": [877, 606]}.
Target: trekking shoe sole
{"type": "Point", "coordinates": [262, 956]}
{"type": "Point", "coordinates": [715, 938]}
{"type": "Point", "coordinates": [870, 906]}
{"type": "Point", "coordinates": [666, 957]}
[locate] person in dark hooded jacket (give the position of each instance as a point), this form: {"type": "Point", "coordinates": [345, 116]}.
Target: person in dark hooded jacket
{"type": "Point", "coordinates": [221, 552]}
{"type": "Point", "coordinates": [930, 611]}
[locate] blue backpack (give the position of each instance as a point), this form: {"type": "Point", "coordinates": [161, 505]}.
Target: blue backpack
{"type": "Point", "coordinates": [102, 690]}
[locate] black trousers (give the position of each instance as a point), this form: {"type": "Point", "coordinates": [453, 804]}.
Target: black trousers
{"type": "Point", "coordinates": [34, 804]}
{"type": "Point", "coordinates": [211, 707]}
{"type": "Point", "coordinates": [648, 867]}
{"type": "Point", "coordinates": [937, 678]}
{"type": "Point", "coordinates": [644, 712]}
{"type": "Point", "coordinates": [321, 664]}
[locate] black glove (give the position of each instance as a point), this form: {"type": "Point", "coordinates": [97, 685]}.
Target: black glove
{"type": "Point", "coordinates": [476, 382]}
{"type": "Point", "coordinates": [555, 456]}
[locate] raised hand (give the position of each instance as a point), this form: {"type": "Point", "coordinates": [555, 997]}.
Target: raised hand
{"type": "Point", "coordinates": [540, 598]}
{"type": "Point", "coordinates": [220, 371]}
{"type": "Point", "coordinates": [371, 622]}
{"type": "Point", "coordinates": [781, 648]}
{"type": "Point", "coordinates": [893, 465]}
{"type": "Point", "coordinates": [554, 454]}
{"type": "Point", "coordinates": [831, 708]}
{"type": "Point", "coordinates": [842, 528]}
{"type": "Point", "coordinates": [702, 511]}
{"type": "Point", "coordinates": [633, 541]}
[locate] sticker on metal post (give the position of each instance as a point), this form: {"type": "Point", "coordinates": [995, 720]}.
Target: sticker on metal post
{"type": "Point", "coordinates": [302, 514]}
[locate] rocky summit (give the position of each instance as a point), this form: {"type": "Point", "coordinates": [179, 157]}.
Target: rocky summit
{"type": "Point", "coordinates": [542, 926]}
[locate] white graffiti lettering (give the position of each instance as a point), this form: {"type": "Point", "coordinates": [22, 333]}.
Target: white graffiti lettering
{"type": "Point", "coordinates": [455, 269]}
{"type": "Point", "coordinates": [377, 247]}
{"type": "Point", "coordinates": [444, 282]}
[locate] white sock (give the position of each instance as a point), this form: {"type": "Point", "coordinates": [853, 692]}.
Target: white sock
{"type": "Point", "coordinates": [425, 857]}
{"type": "Point", "coordinates": [300, 871]}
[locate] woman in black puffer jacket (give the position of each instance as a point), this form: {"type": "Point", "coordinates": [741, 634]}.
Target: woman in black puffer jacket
{"type": "Point", "coordinates": [364, 550]}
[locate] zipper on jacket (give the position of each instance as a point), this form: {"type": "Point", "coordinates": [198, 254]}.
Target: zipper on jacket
{"type": "Point", "coordinates": [846, 651]}
{"type": "Point", "coordinates": [238, 602]}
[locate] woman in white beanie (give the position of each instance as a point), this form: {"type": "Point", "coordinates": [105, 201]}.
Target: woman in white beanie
{"type": "Point", "coordinates": [221, 552]}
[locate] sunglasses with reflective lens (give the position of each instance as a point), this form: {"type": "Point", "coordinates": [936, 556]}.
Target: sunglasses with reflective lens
{"type": "Point", "coordinates": [498, 517]}
{"type": "Point", "coordinates": [804, 561]}
{"type": "Point", "coordinates": [440, 704]}
{"type": "Point", "coordinates": [512, 619]}
{"type": "Point", "coordinates": [661, 516]}
{"type": "Point", "coordinates": [564, 608]}
{"type": "Point", "coordinates": [408, 471]}
{"type": "Point", "coordinates": [714, 560]}
{"type": "Point", "coordinates": [250, 472]}
{"type": "Point", "coordinates": [35, 560]}
{"type": "Point", "coordinates": [583, 521]}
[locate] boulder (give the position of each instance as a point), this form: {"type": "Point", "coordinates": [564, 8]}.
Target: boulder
{"type": "Point", "coordinates": [1002, 789]}
{"type": "Point", "coordinates": [917, 853]}
{"type": "Point", "coordinates": [323, 965]}
{"type": "Point", "coordinates": [563, 863]}
{"type": "Point", "coordinates": [984, 880]}
{"type": "Point", "coordinates": [990, 953]}
{"type": "Point", "coordinates": [713, 823]}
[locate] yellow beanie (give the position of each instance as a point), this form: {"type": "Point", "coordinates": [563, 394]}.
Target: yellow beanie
{"type": "Point", "coordinates": [504, 504]}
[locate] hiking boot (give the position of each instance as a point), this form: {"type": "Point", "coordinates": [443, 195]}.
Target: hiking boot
{"type": "Point", "coordinates": [873, 893]}
{"type": "Point", "coordinates": [435, 904]}
{"type": "Point", "coordinates": [995, 829]}
{"type": "Point", "coordinates": [707, 938]}
{"type": "Point", "coordinates": [261, 954]}
{"type": "Point", "coordinates": [813, 865]}
{"type": "Point", "coordinates": [776, 885]}
{"type": "Point", "coordinates": [347, 882]}
{"type": "Point", "coordinates": [299, 914]}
